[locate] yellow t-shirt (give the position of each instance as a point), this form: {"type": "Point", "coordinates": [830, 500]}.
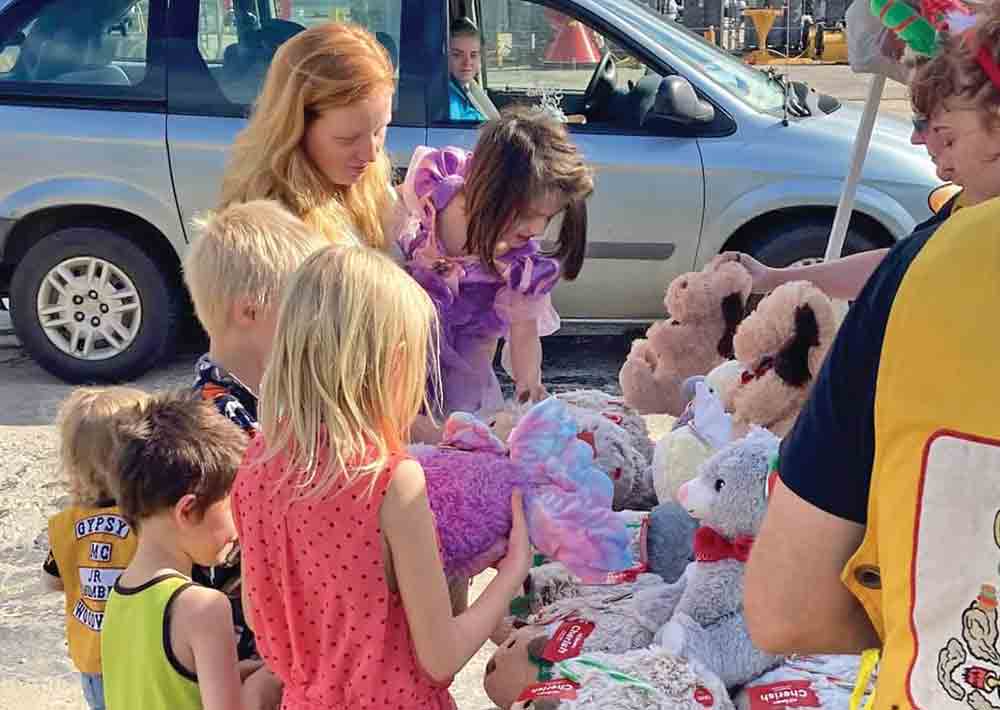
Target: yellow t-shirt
{"type": "Point", "coordinates": [902, 434]}
{"type": "Point", "coordinates": [90, 548]}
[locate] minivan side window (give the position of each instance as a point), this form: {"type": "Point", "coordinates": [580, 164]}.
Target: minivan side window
{"type": "Point", "coordinates": [535, 55]}
{"type": "Point", "coordinates": [99, 48]}
{"type": "Point", "coordinates": [237, 39]}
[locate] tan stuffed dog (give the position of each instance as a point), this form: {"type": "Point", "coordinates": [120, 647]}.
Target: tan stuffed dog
{"type": "Point", "coordinates": [782, 344]}
{"type": "Point", "coordinates": [705, 308]}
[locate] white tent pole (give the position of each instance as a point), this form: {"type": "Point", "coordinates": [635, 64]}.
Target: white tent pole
{"type": "Point", "coordinates": [861, 142]}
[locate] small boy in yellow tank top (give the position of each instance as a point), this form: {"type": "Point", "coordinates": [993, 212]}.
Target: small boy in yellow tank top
{"type": "Point", "coordinates": [168, 643]}
{"type": "Point", "coordinates": [90, 543]}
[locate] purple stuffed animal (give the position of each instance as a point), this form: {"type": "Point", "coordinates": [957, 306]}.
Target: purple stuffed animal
{"type": "Point", "coordinates": [567, 499]}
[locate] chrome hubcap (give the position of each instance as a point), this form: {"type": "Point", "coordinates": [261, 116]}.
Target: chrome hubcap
{"type": "Point", "coordinates": [89, 308]}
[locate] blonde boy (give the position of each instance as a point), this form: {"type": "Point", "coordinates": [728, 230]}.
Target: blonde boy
{"type": "Point", "coordinates": [236, 271]}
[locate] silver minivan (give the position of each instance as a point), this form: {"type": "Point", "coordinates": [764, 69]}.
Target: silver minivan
{"type": "Point", "coordinates": [115, 118]}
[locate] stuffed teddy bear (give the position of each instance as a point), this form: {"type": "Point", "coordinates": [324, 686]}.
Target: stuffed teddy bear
{"type": "Point", "coordinates": [782, 344]}
{"type": "Point", "coordinates": [612, 620]}
{"type": "Point", "coordinates": [617, 436]}
{"type": "Point", "coordinates": [728, 498]}
{"type": "Point", "coordinates": [567, 499]}
{"type": "Point", "coordinates": [644, 679]}
{"type": "Point", "coordinates": [705, 308]}
{"type": "Point", "coordinates": [615, 409]}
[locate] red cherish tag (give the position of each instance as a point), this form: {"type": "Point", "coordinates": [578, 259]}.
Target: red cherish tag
{"type": "Point", "coordinates": [786, 694]}
{"type": "Point", "coordinates": [567, 641]}
{"type": "Point", "coordinates": [560, 688]}
{"type": "Point", "coordinates": [703, 696]}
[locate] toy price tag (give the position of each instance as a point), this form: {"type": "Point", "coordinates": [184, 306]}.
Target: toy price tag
{"type": "Point", "coordinates": [626, 575]}
{"type": "Point", "coordinates": [567, 641]}
{"type": "Point", "coordinates": [703, 696]}
{"type": "Point", "coordinates": [786, 694]}
{"type": "Point", "coordinates": [560, 688]}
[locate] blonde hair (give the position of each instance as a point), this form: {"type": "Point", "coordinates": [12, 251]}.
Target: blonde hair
{"type": "Point", "coordinates": [245, 251]}
{"type": "Point", "coordinates": [88, 442]}
{"type": "Point", "coordinates": [327, 66]}
{"type": "Point", "coordinates": [349, 368]}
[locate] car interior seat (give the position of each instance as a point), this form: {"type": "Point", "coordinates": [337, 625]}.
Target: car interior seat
{"type": "Point", "coordinates": [389, 43]}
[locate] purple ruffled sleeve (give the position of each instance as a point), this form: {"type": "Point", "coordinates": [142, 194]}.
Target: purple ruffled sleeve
{"type": "Point", "coordinates": [433, 178]}
{"type": "Point", "coordinates": [529, 279]}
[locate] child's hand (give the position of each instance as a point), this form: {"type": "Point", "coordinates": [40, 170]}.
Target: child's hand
{"type": "Point", "coordinates": [530, 393]}
{"type": "Point", "coordinates": [261, 690]}
{"type": "Point", "coordinates": [517, 561]}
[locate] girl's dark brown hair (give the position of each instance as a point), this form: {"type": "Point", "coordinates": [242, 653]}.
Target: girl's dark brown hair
{"type": "Point", "coordinates": [523, 155]}
{"type": "Point", "coordinates": [955, 74]}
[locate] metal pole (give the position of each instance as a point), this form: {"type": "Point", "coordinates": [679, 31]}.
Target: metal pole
{"type": "Point", "coordinates": [843, 218]}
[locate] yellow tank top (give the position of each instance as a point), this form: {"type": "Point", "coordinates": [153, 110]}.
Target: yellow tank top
{"type": "Point", "coordinates": [928, 569]}
{"type": "Point", "coordinates": [140, 670]}
{"type": "Point", "coordinates": [91, 547]}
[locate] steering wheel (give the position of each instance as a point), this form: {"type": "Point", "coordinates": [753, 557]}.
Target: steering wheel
{"type": "Point", "coordinates": [601, 86]}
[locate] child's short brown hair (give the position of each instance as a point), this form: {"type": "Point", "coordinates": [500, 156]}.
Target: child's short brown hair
{"type": "Point", "coordinates": [87, 440]}
{"type": "Point", "coordinates": [175, 444]}
{"type": "Point", "coordinates": [956, 77]}
{"type": "Point", "coordinates": [244, 251]}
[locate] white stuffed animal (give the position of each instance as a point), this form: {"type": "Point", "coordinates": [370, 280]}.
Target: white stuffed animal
{"type": "Point", "coordinates": [704, 427]}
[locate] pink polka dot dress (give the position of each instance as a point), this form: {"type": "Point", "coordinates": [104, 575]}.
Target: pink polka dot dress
{"type": "Point", "coordinates": [326, 622]}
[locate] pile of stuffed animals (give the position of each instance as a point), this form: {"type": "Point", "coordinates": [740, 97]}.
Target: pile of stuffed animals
{"type": "Point", "coordinates": [636, 597]}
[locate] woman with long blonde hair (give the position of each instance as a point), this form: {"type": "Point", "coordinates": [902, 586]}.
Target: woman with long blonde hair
{"type": "Point", "coordinates": [316, 139]}
{"type": "Point", "coordinates": [343, 580]}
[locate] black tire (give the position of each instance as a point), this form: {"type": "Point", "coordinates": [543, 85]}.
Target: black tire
{"type": "Point", "coordinates": [803, 239]}
{"type": "Point", "coordinates": [159, 295]}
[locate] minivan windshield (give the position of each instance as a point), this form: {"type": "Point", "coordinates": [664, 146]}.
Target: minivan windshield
{"type": "Point", "coordinates": [732, 75]}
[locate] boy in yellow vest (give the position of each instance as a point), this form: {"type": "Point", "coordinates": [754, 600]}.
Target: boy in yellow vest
{"type": "Point", "coordinates": [167, 642]}
{"type": "Point", "coordinates": [885, 529]}
{"type": "Point", "coordinates": [90, 543]}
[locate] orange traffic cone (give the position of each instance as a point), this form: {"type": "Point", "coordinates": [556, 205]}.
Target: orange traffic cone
{"type": "Point", "coordinates": [573, 44]}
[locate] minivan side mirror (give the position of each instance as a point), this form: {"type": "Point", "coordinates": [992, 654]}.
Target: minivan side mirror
{"type": "Point", "coordinates": [677, 102]}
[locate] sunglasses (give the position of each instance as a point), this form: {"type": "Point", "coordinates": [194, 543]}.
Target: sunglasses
{"type": "Point", "coordinates": [920, 124]}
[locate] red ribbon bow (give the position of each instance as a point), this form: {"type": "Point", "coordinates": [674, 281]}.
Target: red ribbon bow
{"type": "Point", "coordinates": [711, 546]}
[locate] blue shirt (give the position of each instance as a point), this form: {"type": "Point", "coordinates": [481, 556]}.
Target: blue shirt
{"type": "Point", "coordinates": [460, 107]}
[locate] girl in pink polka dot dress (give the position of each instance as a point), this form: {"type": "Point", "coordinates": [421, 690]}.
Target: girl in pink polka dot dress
{"type": "Point", "coordinates": [343, 581]}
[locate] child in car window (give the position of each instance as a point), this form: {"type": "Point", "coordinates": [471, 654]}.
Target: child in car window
{"type": "Point", "coordinates": [464, 56]}
{"type": "Point", "coordinates": [474, 249]}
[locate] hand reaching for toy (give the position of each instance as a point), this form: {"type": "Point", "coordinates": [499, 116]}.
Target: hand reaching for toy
{"type": "Point", "coordinates": [517, 561]}
{"type": "Point", "coordinates": [530, 393]}
{"type": "Point", "coordinates": [763, 276]}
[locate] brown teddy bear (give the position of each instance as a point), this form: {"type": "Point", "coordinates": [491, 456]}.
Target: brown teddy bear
{"type": "Point", "coordinates": [782, 345]}
{"type": "Point", "coordinates": [705, 308]}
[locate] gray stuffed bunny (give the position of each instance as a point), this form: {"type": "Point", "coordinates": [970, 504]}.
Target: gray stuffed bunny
{"type": "Point", "coordinates": [729, 498]}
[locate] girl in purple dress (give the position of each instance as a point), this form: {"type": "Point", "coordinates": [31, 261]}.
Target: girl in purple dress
{"type": "Point", "coordinates": [472, 245]}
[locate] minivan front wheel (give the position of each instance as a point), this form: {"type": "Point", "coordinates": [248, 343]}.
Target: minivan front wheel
{"type": "Point", "coordinates": [91, 306]}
